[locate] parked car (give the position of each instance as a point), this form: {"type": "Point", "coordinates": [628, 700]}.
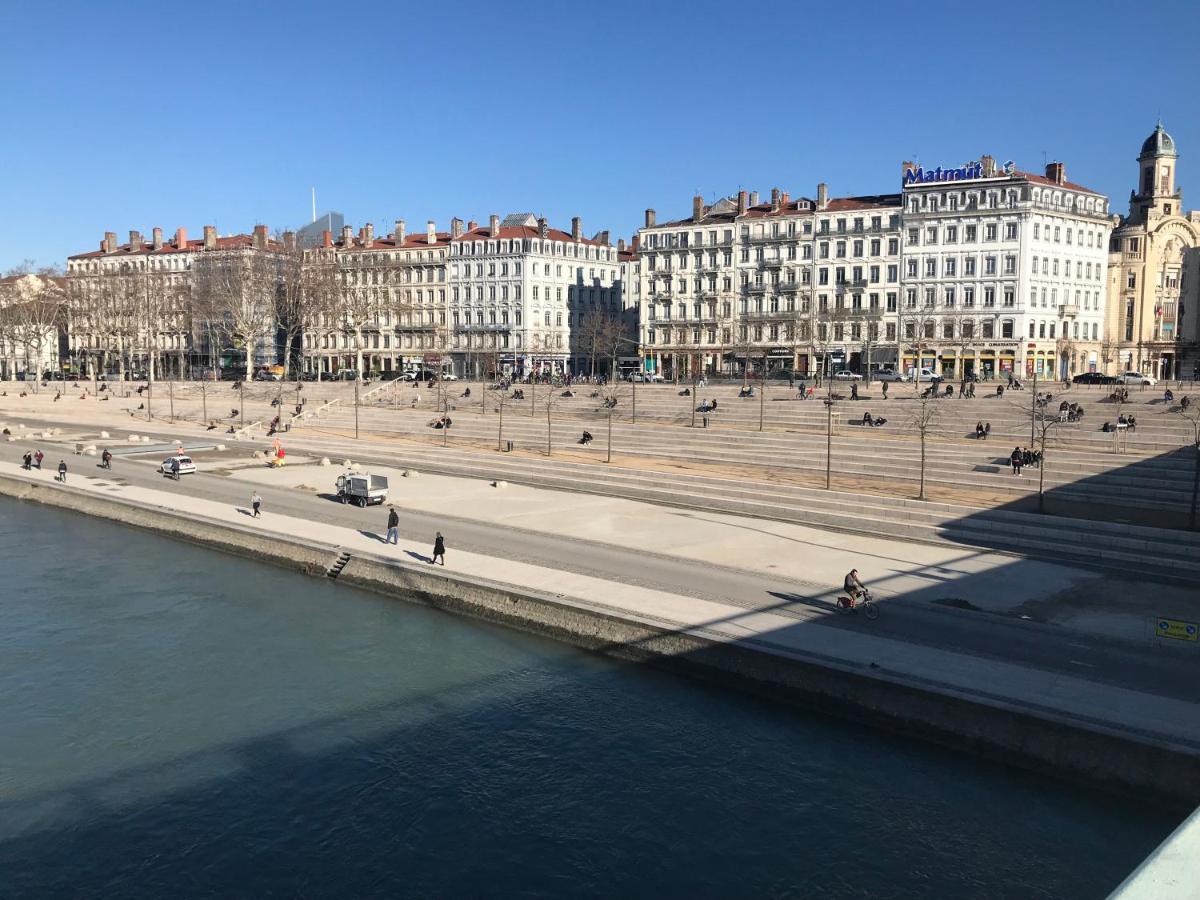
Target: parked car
{"type": "Point", "coordinates": [186, 466]}
{"type": "Point", "coordinates": [362, 488]}
{"type": "Point", "coordinates": [846, 375]}
{"type": "Point", "coordinates": [641, 377]}
{"type": "Point", "coordinates": [1094, 378]}
{"type": "Point", "coordinates": [889, 375]}
{"type": "Point", "coordinates": [924, 374]}
{"type": "Point", "coordinates": [1137, 378]}
{"type": "Point", "coordinates": [448, 376]}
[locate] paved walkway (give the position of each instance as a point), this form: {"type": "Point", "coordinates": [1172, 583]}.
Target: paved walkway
{"type": "Point", "coordinates": [979, 678]}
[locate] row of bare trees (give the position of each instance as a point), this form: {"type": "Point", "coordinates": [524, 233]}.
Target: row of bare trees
{"type": "Point", "coordinates": [32, 310]}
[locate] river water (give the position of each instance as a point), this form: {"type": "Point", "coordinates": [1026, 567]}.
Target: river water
{"type": "Point", "coordinates": [177, 722]}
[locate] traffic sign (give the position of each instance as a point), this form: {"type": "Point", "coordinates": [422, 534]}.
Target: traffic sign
{"type": "Point", "coordinates": [1177, 630]}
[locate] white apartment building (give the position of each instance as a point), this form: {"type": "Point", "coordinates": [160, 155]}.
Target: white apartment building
{"type": "Point", "coordinates": [795, 285]}
{"type": "Point", "coordinates": [519, 287]}
{"type": "Point", "coordinates": [130, 305]}
{"type": "Point", "coordinates": [1003, 271]}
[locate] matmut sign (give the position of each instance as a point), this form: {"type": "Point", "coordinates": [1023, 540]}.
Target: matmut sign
{"type": "Point", "coordinates": [921, 175]}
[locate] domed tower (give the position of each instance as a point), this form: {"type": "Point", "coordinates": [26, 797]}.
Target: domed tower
{"type": "Point", "coordinates": [1156, 181]}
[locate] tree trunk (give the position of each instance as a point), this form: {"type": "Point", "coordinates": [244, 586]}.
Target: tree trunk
{"type": "Point", "coordinates": [548, 448]}
{"type": "Point", "coordinates": [921, 491]}
{"type": "Point", "coordinates": [828, 443]}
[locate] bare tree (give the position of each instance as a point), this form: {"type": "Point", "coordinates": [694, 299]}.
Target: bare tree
{"type": "Point", "coordinates": [307, 291]}
{"type": "Point", "coordinates": [1043, 422]}
{"type": "Point", "coordinates": [235, 291]}
{"type": "Point", "coordinates": [924, 421]}
{"type": "Point", "coordinates": [35, 308]}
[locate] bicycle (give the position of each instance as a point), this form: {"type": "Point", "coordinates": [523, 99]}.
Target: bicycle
{"type": "Point", "coordinates": [847, 605]}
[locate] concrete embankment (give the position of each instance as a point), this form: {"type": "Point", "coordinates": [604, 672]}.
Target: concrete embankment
{"type": "Point", "coordinates": [1104, 754]}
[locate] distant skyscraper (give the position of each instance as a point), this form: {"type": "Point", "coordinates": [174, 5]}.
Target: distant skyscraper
{"type": "Point", "coordinates": [310, 235]}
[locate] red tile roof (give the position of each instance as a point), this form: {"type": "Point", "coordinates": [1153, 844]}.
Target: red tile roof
{"type": "Point", "coordinates": [1069, 185]}
{"type": "Point", "coordinates": [519, 232]}
{"type": "Point", "coordinates": [418, 240]}
{"type": "Point", "coordinates": [230, 242]}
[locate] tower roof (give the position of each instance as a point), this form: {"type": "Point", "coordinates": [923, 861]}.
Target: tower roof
{"type": "Point", "coordinates": [1158, 144]}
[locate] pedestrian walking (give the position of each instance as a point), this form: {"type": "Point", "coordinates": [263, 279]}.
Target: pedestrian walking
{"type": "Point", "coordinates": [27, 461]}
{"type": "Point", "coordinates": [393, 526]}
{"type": "Point", "coordinates": [62, 470]}
{"type": "Point", "coordinates": [256, 504]}
{"type": "Point", "coordinates": [37, 459]}
{"type": "Point", "coordinates": [439, 549]}
{"type": "Point", "coordinates": [885, 387]}
{"type": "Point", "coordinates": [1017, 459]}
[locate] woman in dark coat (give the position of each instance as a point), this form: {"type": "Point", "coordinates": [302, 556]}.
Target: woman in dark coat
{"type": "Point", "coordinates": [439, 549]}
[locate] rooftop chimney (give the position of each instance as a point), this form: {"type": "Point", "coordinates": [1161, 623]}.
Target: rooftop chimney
{"type": "Point", "coordinates": [493, 225]}
{"type": "Point", "coordinates": [650, 218]}
{"type": "Point", "coordinates": [180, 238]}
{"type": "Point", "coordinates": [158, 242]}
{"type": "Point", "coordinates": [822, 195]}
{"type": "Point", "coordinates": [988, 164]}
{"type": "Point", "coordinates": [456, 227]}
{"type": "Point", "coordinates": [326, 238]}
{"type": "Point", "coordinates": [697, 208]}
{"type": "Point", "coordinates": [347, 236]}
{"type": "Point", "coordinates": [785, 198]}
{"type": "Point", "coordinates": [602, 237]}
{"type": "Point", "coordinates": [110, 241]}
{"type": "Point", "coordinates": [369, 234]}
{"type": "Point", "coordinates": [576, 228]}
{"type": "Point", "coordinates": [400, 232]}
{"type": "Point", "coordinates": [135, 241]}
{"type": "Point", "coordinates": [210, 237]}
{"type": "Point", "coordinates": [260, 237]}
{"type": "Point", "coordinates": [775, 199]}
{"type": "Point", "coordinates": [754, 198]}
{"type": "Point", "coordinates": [620, 245]}
{"type": "Point", "coordinates": [543, 230]}
{"type": "Point", "coordinates": [430, 232]}
{"type": "Point", "coordinates": [743, 202]}
{"type": "Point", "coordinates": [1056, 172]}
{"type": "Point", "coordinates": [289, 240]}
{"type": "Point", "coordinates": [472, 225]}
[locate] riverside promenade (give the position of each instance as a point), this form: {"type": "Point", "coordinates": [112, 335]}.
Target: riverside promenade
{"type": "Point", "coordinates": [789, 644]}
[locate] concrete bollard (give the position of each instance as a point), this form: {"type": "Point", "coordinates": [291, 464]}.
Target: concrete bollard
{"type": "Point", "coordinates": [499, 484]}
{"type": "Point", "coordinates": [145, 438]}
{"type": "Point", "coordinates": [133, 439]}
{"type": "Point", "coordinates": [409, 473]}
{"type": "Point", "coordinates": [325, 461]}
{"type": "Point", "coordinates": [220, 447]}
{"type": "Point", "coordinates": [104, 434]}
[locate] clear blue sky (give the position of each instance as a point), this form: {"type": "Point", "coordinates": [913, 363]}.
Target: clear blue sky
{"type": "Point", "coordinates": [129, 115]}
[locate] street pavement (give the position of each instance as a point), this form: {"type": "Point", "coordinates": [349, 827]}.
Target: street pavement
{"type": "Point", "coordinates": [1055, 618]}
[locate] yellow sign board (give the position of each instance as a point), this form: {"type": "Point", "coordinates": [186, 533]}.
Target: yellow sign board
{"type": "Point", "coordinates": [1177, 630]}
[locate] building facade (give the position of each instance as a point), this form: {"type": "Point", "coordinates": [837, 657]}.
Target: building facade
{"type": "Point", "coordinates": [132, 307]}
{"type": "Point", "coordinates": [1154, 273]}
{"type": "Point", "coordinates": [521, 291]}
{"type": "Point", "coordinates": [1003, 271]}
{"type": "Point", "coordinates": [795, 285]}
{"type": "Point", "coordinates": [391, 311]}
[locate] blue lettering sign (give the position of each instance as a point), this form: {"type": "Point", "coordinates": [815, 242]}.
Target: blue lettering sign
{"type": "Point", "coordinates": [921, 175]}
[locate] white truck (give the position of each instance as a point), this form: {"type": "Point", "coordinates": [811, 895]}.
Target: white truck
{"type": "Point", "coordinates": [362, 488]}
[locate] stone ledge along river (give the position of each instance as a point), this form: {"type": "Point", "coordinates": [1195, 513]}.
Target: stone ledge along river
{"type": "Point", "coordinates": [175, 722]}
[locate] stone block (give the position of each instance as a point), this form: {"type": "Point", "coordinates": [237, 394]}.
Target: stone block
{"type": "Point", "coordinates": [133, 439]}
{"type": "Point", "coordinates": [325, 461]}
{"type": "Point", "coordinates": [104, 434]}
{"type": "Point", "coordinates": [499, 484]}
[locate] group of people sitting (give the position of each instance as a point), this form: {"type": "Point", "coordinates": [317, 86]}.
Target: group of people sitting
{"type": "Point", "coordinates": [1123, 422]}
{"type": "Point", "coordinates": [518, 394]}
{"type": "Point", "coordinates": [609, 403]}
{"type": "Point", "coordinates": [1069, 412]}
{"type": "Point", "coordinates": [1119, 395]}
{"type": "Point", "coordinates": [707, 406]}
{"type": "Point", "coordinates": [747, 390]}
{"type": "Point", "coordinates": [440, 422]}
{"type": "Point", "coordinates": [871, 421]}
{"type": "Point", "coordinates": [1020, 458]}
{"type": "Point", "coordinates": [982, 430]}
{"type": "Point", "coordinates": [586, 439]}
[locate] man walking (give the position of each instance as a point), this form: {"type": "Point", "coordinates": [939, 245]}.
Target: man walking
{"type": "Point", "coordinates": [256, 504]}
{"type": "Point", "coordinates": [1017, 458]}
{"type": "Point", "coordinates": [393, 526]}
{"type": "Point", "coordinates": [37, 459]}
{"type": "Point", "coordinates": [62, 470]}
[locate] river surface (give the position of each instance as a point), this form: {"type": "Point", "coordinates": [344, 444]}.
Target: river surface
{"type": "Point", "coordinates": [175, 722]}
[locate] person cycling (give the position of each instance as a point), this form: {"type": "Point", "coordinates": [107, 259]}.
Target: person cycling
{"type": "Point", "coordinates": [853, 587]}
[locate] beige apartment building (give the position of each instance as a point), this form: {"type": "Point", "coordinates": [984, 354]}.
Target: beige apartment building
{"type": "Point", "coordinates": [1154, 273]}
